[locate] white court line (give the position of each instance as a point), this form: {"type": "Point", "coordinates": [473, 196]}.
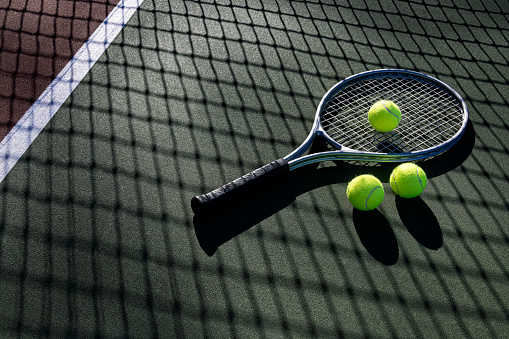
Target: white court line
{"type": "Point", "coordinates": [21, 136]}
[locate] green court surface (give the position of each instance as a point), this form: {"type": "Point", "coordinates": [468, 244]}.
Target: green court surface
{"type": "Point", "coordinates": [98, 238]}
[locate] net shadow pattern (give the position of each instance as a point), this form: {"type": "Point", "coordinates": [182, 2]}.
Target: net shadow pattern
{"type": "Point", "coordinates": [96, 228]}
{"type": "Point", "coordinates": [37, 40]}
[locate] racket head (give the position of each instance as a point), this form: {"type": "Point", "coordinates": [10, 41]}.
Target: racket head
{"type": "Point", "coordinates": [433, 118]}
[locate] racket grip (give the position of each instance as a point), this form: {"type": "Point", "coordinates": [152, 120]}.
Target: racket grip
{"type": "Point", "coordinates": [204, 203]}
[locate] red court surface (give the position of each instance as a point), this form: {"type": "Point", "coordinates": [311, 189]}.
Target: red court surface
{"type": "Point", "coordinates": [37, 39]}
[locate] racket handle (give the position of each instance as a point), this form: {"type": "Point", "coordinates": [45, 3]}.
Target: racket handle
{"type": "Point", "coordinates": [204, 203]}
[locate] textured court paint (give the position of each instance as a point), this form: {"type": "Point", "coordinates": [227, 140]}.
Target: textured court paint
{"type": "Point", "coordinates": [21, 136]}
{"type": "Point", "coordinates": [121, 262]}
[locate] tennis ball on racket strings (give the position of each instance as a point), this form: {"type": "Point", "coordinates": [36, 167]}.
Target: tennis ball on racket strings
{"type": "Point", "coordinates": [408, 180]}
{"type": "Point", "coordinates": [365, 192]}
{"type": "Point", "coordinates": [384, 116]}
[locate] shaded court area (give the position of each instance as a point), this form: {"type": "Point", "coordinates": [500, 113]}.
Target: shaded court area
{"type": "Point", "coordinates": [98, 238]}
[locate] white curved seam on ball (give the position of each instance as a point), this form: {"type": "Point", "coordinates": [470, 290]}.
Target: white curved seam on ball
{"type": "Point", "coordinates": [418, 177]}
{"type": "Point", "coordinates": [369, 195]}
{"type": "Point", "coordinates": [388, 110]}
{"type": "Point", "coordinates": [396, 185]}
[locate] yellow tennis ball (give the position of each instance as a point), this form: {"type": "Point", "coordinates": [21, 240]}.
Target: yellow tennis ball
{"type": "Point", "coordinates": [365, 192]}
{"type": "Point", "coordinates": [384, 116]}
{"type": "Point", "coordinates": [408, 180]}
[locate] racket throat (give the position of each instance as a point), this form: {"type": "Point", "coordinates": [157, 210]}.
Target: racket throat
{"type": "Point", "coordinates": [317, 147]}
{"type": "Point", "coordinates": [317, 141]}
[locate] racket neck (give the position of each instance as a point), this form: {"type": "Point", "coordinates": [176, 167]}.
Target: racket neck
{"type": "Point", "coordinates": [308, 152]}
{"type": "Point", "coordinates": [305, 146]}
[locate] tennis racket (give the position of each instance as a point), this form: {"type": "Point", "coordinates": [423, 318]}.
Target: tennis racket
{"type": "Point", "coordinates": [433, 118]}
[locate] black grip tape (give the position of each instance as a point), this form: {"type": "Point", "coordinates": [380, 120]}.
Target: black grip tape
{"type": "Point", "coordinates": [206, 202]}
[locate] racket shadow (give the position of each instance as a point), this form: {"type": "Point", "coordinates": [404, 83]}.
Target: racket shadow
{"type": "Point", "coordinates": [239, 215]}
{"type": "Point", "coordinates": [214, 229]}
{"type": "Point", "coordinates": [234, 218]}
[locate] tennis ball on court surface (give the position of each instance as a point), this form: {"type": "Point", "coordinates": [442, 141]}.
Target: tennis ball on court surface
{"type": "Point", "coordinates": [384, 116]}
{"type": "Point", "coordinates": [408, 180]}
{"type": "Point", "coordinates": [365, 192]}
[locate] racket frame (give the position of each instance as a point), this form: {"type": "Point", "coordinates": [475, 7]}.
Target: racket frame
{"type": "Point", "coordinates": [296, 159]}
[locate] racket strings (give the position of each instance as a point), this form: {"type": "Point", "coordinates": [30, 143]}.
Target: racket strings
{"type": "Point", "coordinates": [430, 115]}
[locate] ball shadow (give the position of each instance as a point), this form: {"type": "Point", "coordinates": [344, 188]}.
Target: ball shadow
{"type": "Point", "coordinates": [376, 235]}
{"type": "Point", "coordinates": [420, 222]}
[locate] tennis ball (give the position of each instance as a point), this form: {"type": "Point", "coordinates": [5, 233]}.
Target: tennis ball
{"type": "Point", "coordinates": [384, 116]}
{"type": "Point", "coordinates": [408, 180]}
{"type": "Point", "coordinates": [365, 192]}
